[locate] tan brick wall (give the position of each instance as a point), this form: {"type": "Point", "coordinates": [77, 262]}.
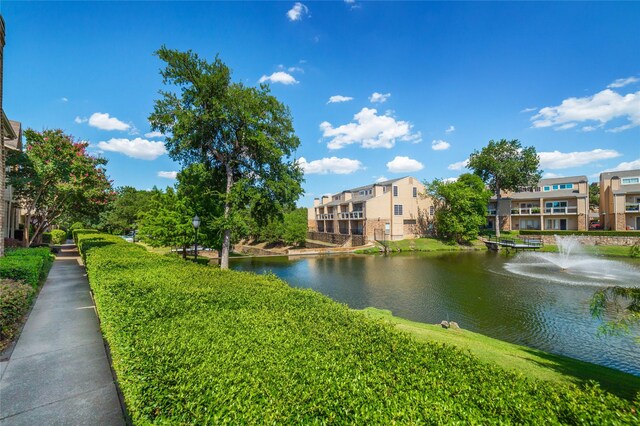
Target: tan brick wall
{"type": "Point", "coordinates": [620, 222]}
{"type": "Point", "coordinates": [372, 225]}
{"type": "Point", "coordinates": [582, 218]}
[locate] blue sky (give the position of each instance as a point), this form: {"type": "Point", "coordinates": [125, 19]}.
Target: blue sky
{"type": "Point", "coordinates": [376, 89]}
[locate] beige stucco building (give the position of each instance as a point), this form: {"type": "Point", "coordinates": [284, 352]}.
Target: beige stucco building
{"type": "Point", "coordinates": [554, 204]}
{"type": "Point", "coordinates": [389, 210]}
{"type": "Point", "coordinates": [620, 200]}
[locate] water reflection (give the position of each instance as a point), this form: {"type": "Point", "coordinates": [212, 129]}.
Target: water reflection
{"type": "Point", "coordinates": [475, 289]}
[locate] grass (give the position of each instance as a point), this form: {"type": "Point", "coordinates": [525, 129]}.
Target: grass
{"type": "Point", "coordinates": [600, 250]}
{"type": "Point", "coordinates": [530, 362]}
{"type": "Point", "coordinates": [425, 244]}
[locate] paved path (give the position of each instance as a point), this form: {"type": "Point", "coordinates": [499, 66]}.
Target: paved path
{"type": "Point", "coordinates": [58, 373]}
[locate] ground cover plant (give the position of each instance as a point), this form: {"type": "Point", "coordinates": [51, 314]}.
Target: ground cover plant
{"type": "Point", "coordinates": [195, 344]}
{"type": "Point", "coordinates": [21, 270]}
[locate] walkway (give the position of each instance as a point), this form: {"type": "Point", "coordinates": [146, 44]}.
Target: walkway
{"type": "Point", "coordinates": [58, 372]}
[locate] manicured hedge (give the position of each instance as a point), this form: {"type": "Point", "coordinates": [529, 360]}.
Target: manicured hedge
{"type": "Point", "coordinates": [192, 344]}
{"type": "Point", "coordinates": [58, 236]}
{"type": "Point", "coordinates": [590, 233]}
{"type": "Point", "coordinates": [15, 299]}
{"type": "Point", "coordinates": [29, 265]}
{"type": "Point", "coordinates": [75, 233]}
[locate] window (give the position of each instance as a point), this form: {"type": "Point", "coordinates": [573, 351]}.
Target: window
{"type": "Point", "coordinates": [395, 191]}
{"type": "Point", "coordinates": [629, 181]}
{"type": "Point", "coordinates": [432, 210]}
{"type": "Point", "coordinates": [397, 209]}
{"type": "Point", "coordinates": [415, 192]}
{"type": "Point", "coordinates": [384, 189]}
{"type": "Point", "coordinates": [546, 188]}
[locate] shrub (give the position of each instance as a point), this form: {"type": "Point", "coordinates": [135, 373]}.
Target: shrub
{"type": "Point", "coordinates": [29, 265]}
{"type": "Point", "coordinates": [46, 238]}
{"type": "Point", "coordinates": [58, 236]}
{"type": "Point", "coordinates": [15, 299]}
{"type": "Point", "coordinates": [634, 251]}
{"type": "Point", "coordinates": [77, 232]}
{"type": "Point", "coordinates": [596, 233]}
{"type": "Point", "coordinates": [193, 344]}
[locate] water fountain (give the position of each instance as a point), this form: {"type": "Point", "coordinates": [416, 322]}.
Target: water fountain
{"type": "Point", "coordinates": [572, 265]}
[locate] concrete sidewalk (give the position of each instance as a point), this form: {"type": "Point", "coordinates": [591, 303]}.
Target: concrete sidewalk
{"type": "Point", "coordinates": [58, 372]}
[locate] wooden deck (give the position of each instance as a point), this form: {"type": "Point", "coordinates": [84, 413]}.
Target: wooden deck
{"type": "Point", "coordinates": [511, 243]}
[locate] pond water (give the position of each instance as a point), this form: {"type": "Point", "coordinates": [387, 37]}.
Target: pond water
{"type": "Point", "coordinates": [479, 290]}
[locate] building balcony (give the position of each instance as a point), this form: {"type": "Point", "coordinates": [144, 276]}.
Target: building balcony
{"type": "Point", "coordinates": [351, 215]}
{"type": "Point", "coordinates": [491, 212]}
{"type": "Point", "coordinates": [525, 211]}
{"type": "Point", "coordinates": [632, 207]}
{"type": "Point", "coordinates": [561, 210]}
{"type": "Point", "coordinates": [326, 216]}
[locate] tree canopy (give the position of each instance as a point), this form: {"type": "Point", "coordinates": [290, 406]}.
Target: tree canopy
{"type": "Point", "coordinates": [505, 165]}
{"type": "Point", "coordinates": [125, 210]}
{"type": "Point", "coordinates": [241, 135]}
{"type": "Point", "coordinates": [460, 207]}
{"type": "Point", "coordinates": [56, 176]}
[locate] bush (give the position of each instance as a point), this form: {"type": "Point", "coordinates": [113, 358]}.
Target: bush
{"type": "Point", "coordinates": [634, 251]}
{"type": "Point", "coordinates": [193, 344]}
{"type": "Point", "coordinates": [15, 299]}
{"type": "Point", "coordinates": [58, 237]}
{"type": "Point", "coordinates": [77, 232]}
{"type": "Point", "coordinates": [46, 238]}
{"type": "Point", "coordinates": [29, 265]}
{"type": "Point", "coordinates": [592, 233]}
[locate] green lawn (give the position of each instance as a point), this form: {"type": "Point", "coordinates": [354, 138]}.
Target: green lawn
{"type": "Point", "coordinates": [617, 251]}
{"type": "Point", "coordinates": [530, 362]}
{"type": "Point", "coordinates": [426, 244]}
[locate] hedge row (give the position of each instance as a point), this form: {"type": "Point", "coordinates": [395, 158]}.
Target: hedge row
{"type": "Point", "coordinates": [15, 299]}
{"type": "Point", "coordinates": [192, 344]}
{"type": "Point", "coordinates": [29, 265]}
{"type": "Point", "coordinates": [589, 233]}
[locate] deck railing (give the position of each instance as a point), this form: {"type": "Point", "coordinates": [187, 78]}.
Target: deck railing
{"type": "Point", "coordinates": [631, 207]}
{"type": "Point", "coordinates": [561, 210]}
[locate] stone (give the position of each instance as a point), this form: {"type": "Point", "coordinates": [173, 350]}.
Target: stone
{"type": "Point", "coordinates": [454, 325]}
{"type": "Point", "coordinates": [445, 324]}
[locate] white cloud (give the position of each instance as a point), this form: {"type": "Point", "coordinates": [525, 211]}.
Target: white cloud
{"type": "Point", "coordinates": [404, 165]}
{"type": "Point", "coordinates": [63, 99]}
{"type": "Point", "coordinates": [379, 97]}
{"type": "Point", "coordinates": [621, 82]}
{"type": "Point", "coordinates": [297, 12]}
{"type": "Point", "coordinates": [529, 109]}
{"type": "Point", "coordinates": [602, 107]}
{"type": "Point", "coordinates": [154, 135]}
{"type": "Point", "coordinates": [81, 120]}
{"type": "Point", "coordinates": [279, 77]}
{"type": "Point", "coordinates": [627, 165]}
{"type": "Point", "coordinates": [381, 179]}
{"type": "Point", "coordinates": [339, 98]}
{"type": "Point", "coordinates": [104, 122]}
{"type": "Point", "coordinates": [439, 145]}
{"type": "Point", "coordinates": [135, 148]}
{"type": "Point", "coordinates": [295, 69]}
{"type": "Point", "coordinates": [458, 165]}
{"type": "Point", "coordinates": [549, 175]}
{"type": "Point", "coordinates": [370, 130]}
{"type": "Point", "coordinates": [450, 129]}
{"type": "Point", "coordinates": [563, 160]}
{"type": "Point", "coordinates": [168, 175]}
{"type": "Point", "coordinates": [334, 165]}
{"type": "Point", "coordinates": [450, 180]}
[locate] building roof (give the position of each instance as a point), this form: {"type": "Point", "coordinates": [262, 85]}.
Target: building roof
{"type": "Point", "coordinates": [568, 179]}
{"type": "Point", "coordinates": [7, 128]}
{"type": "Point", "coordinates": [627, 189]}
{"type": "Point", "coordinates": [16, 142]}
{"type": "Point", "coordinates": [620, 173]}
{"type": "Point", "coordinates": [383, 183]}
{"type": "Point", "coordinates": [562, 193]}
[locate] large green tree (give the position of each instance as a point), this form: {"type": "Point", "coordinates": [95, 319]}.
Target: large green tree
{"type": "Point", "coordinates": [243, 134]}
{"type": "Point", "coordinates": [505, 165]}
{"type": "Point", "coordinates": [124, 211]}
{"type": "Point", "coordinates": [56, 176]}
{"type": "Point", "coordinates": [460, 207]}
{"type": "Point", "coordinates": [623, 306]}
{"type": "Point", "coordinates": [594, 195]}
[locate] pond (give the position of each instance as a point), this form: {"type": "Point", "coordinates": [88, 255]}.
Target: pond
{"type": "Point", "coordinates": [479, 290]}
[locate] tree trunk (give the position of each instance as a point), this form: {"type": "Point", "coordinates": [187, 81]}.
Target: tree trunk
{"type": "Point", "coordinates": [226, 241]}
{"type": "Point", "coordinates": [184, 252]}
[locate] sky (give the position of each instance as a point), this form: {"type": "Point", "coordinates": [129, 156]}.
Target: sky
{"type": "Point", "coordinates": [377, 90]}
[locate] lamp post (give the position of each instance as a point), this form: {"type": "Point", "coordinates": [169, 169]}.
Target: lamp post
{"type": "Point", "coordinates": [196, 224]}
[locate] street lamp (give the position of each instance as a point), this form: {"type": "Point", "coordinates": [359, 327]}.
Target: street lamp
{"type": "Point", "coordinates": [196, 224]}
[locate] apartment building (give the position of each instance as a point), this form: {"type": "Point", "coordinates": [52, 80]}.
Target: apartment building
{"type": "Point", "coordinates": [554, 204]}
{"type": "Point", "coordinates": [620, 200]}
{"type": "Point", "coordinates": [391, 210]}
{"type": "Point", "coordinates": [14, 215]}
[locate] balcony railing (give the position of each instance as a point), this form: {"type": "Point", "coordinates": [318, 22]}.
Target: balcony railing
{"type": "Point", "coordinates": [326, 216]}
{"type": "Point", "coordinates": [491, 212]}
{"type": "Point", "coordinates": [525, 210]}
{"type": "Point", "coordinates": [632, 207]}
{"type": "Point", "coordinates": [351, 215]}
{"type": "Point", "coordinates": [561, 210]}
